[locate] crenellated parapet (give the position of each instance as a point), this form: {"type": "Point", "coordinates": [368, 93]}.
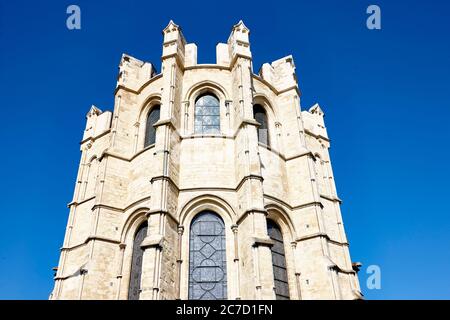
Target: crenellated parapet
{"type": "Point", "coordinates": [133, 73]}
{"type": "Point", "coordinates": [314, 123]}
{"type": "Point", "coordinates": [97, 122]}
{"type": "Point", "coordinates": [280, 73]}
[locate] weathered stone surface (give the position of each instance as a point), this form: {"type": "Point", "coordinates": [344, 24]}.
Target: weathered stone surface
{"type": "Point", "coordinates": [287, 179]}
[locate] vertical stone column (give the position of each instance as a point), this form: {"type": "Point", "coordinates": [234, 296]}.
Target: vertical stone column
{"type": "Point", "coordinates": [160, 247]}
{"type": "Point", "coordinates": [115, 121]}
{"type": "Point", "coordinates": [296, 285]}
{"type": "Point", "coordinates": [186, 126]}
{"type": "Point", "coordinates": [151, 246]}
{"type": "Point", "coordinates": [119, 277]}
{"type": "Point", "coordinates": [352, 276]}
{"type": "Point", "coordinates": [179, 260]}
{"type": "Point", "coordinates": [249, 168]}
{"type": "Point", "coordinates": [234, 228]}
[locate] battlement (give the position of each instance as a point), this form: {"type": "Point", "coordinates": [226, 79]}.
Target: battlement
{"type": "Point", "coordinates": [97, 122]}
{"type": "Point", "coordinates": [280, 73]}
{"type": "Point", "coordinates": [134, 72]}
{"type": "Point", "coordinates": [314, 122]}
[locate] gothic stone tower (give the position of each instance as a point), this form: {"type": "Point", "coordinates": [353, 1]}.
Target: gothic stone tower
{"type": "Point", "coordinates": [206, 182]}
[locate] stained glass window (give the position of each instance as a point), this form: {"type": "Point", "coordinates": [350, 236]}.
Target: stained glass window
{"type": "Point", "coordinates": [150, 131]}
{"type": "Point", "coordinates": [207, 258]}
{"type": "Point", "coordinates": [278, 261]}
{"type": "Point", "coordinates": [207, 115]}
{"type": "Point", "coordinates": [260, 116]}
{"type": "Point", "coordinates": [136, 263]}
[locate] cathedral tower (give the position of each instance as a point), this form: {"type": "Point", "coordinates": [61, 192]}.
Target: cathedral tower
{"type": "Point", "coordinates": [207, 181]}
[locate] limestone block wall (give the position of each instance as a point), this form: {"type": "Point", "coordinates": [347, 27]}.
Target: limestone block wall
{"type": "Point", "coordinates": [121, 183]}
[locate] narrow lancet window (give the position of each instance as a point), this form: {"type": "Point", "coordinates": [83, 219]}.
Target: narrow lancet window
{"type": "Point", "coordinates": [136, 263]}
{"type": "Point", "coordinates": [278, 261]}
{"type": "Point", "coordinates": [259, 114]}
{"type": "Point", "coordinates": [150, 130]}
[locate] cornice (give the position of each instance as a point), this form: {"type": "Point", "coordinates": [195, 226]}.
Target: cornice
{"type": "Point", "coordinates": [167, 121]}
{"type": "Point", "coordinates": [207, 66]}
{"type": "Point", "coordinates": [104, 206]}
{"type": "Point", "coordinates": [244, 214]}
{"type": "Point", "coordinates": [122, 87]}
{"type": "Point", "coordinates": [176, 55]}
{"type": "Point", "coordinates": [153, 241]}
{"type": "Point", "coordinates": [76, 203]}
{"type": "Point", "coordinates": [302, 206]}
{"type": "Point", "coordinates": [275, 90]}
{"type": "Point", "coordinates": [265, 242]}
{"type": "Point", "coordinates": [305, 152]}
{"type": "Point", "coordinates": [236, 57]}
{"type": "Point", "coordinates": [331, 198]}
{"type": "Point", "coordinates": [89, 239]}
{"type": "Point", "coordinates": [231, 189]}
{"type": "Point", "coordinates": [248, 177]}
{"type": "Point", "coordinates": [317, 136]}
{"type": "Point", "coordinates": [92, 139]}
{"type": "Point", "coordinates": [320, 235]}
{"type": "Point", "coordinates": [141, 88]}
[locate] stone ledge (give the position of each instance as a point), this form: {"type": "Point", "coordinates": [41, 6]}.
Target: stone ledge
{"type": "Point", "coordinates": [266, 242]}
{"type": "Point", "coordinates": [318, 235]}
{"type": "Point", "coordinates": [153, 241]}
{"type": "Point", "coordinates": [76, 203]}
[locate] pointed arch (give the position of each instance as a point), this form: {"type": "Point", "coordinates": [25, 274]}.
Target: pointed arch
{"type": "Point", "coordinates": [150, 131]}
{"type": "Point", "coordinates": [279, 266]}
{"type": "Point", "coordinates": [264, 113]}
{"type": "Point", "coordinates": [207, 257]}
{"type": "Point", "coordinates": [278, 214]}
{"type": "Point", "coordinates": [206, 86]}
{"type": "Point", "coordinates": [133, 221]}
{"type": "Point", "coordinates": [282, 231]}
{"type": "Point", "coordinates": [270, 107]}
{"type": "Point", "coordinates": [207, 114]}
{"type": "Point", "coordinates": [218, 118]}
{"type": "Point", "coordinates": [207, 202]}
{"type": "Point", "coordinates": [136, 262]}
{"type": "Point", "coordinates": [260, 115]}
{"type": "Point", "coordinates": [187, 215]}
{"type": "Point", "coordinates": [141, 126]}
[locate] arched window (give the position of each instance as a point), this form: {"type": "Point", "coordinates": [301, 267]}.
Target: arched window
{"type": "Point", "coordinates": [278, 261]}
{"type": "Point", "coordinates": [207, 114]}
{"type": "Point", "coordinates": [136, 263]}
{"type": "Point", "coordinates": [207, 258]}
{"type": "Point", "coordinates": [150, 131]}
{"type": "Point", "coordinates": [259, 113]}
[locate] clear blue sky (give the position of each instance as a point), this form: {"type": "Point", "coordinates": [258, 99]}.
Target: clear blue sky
{"type": "Point", "coordinates": [385, 96]}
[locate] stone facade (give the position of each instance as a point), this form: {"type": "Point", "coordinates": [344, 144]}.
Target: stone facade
{"type": "Point", "coordinates": [287, 179]}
